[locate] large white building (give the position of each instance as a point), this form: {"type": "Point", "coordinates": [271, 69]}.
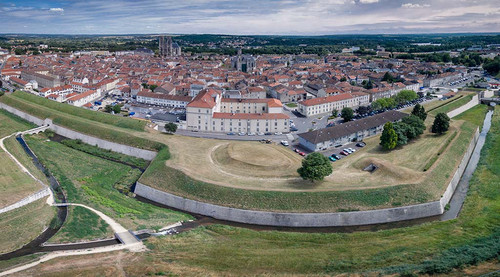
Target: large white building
{"type": "Point", "coordinates": [174, 101]}
{"type": "Point", "coordinates": [325, 105]}
{"type": "Point", "coordinates": [210, 112]}
{"type": "Point", "coordinates": [80, 99]}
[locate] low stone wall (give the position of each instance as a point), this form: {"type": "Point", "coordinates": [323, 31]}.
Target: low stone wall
{"type": "Point", "coordinates": [63, 131]}
{"type": "Point", "coordinates": [25, 201]}
{"type": "Point", "coordinates": [473, 102]}
{"type": "Point", "coordinates": [311, 219]}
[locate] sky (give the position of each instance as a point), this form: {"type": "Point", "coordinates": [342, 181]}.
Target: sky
{"type": "Point", "coordinates": [249, 17]}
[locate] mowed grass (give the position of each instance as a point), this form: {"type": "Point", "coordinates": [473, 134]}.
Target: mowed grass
{"type": "Point", "coordinates": [452, 105]}
{"type": "Point", "coordinates": [84, 123]}
{"type": "Point", "coordinates": [22, 225]}
{"type": "Point", "coordinates": [348, 188]}
{"type": "Point", "coordinates": [14, 183]}
{"type": "Point", "coordinates": [122, 122]}
{"type": "Point", "coordinates": [72, 231]}
{"type": "Point", "coordinates": [474, 115]}
{"type": "Point", "coordinates": [93, 181]}
{"type": "Point", "coordinates": [232, 251]}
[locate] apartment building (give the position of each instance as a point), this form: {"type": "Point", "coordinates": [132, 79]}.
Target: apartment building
{"type": "Point", "coordinates": [210, 112]}
{"type": "Point", "coordinates": [174, 101]}
{"type": "Point", "coordinates": [325, 105]}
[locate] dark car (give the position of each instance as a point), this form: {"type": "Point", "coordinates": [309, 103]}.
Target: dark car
{"type": "Point", "coordinates": [360, 144]}
{"type": "Point", "coordinates": [336, 156]}
{"type": "Point", "coordinates": [268, 134]}
{"type": "Point", "coordinates": [293, 129]}
{"type": "Point", "coordinates": [231, 134]}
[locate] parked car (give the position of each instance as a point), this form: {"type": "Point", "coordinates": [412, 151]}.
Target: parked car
{"type": "Point", "coordinates": [278, 133]}
{"type": "Point", "coordinates": [336, 156]}
{"type": "Point", "coordinates": [302, 154]}
{"type": "Point", "coordinates": [332, 159]}
{"type": "Point", "coordinates": [293, 129]}
{"type": "Point", "coordinates": [231, 134]}
{"type": "Point", "coordinates": [285, 143]}
{"type": "Point", "coordinates": [266, 141]}
{"type": "Point", "coordinates": [360, 144]}
{"type": "Point", "coordinates": [251, 134]}
{"type": "Point", "coordinates": [296, 150]}
{"type": "Point", "coordinates": [241, 134]}
{"type": "Point", "coordinates": [347, 150]}
{"type": "Point", "coordinates": [351, 149]}
{"type": "Point", "coordinates": [260, 133]}
{"type": "Point", "coordinates": [268, 134]}
{"type": "Point", "coordinates": [344, 153]}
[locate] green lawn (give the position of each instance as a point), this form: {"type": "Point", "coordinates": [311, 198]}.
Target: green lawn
{"type": "Point", "coordinates": [122, 122]}
{"type": "Point", "coordinates": [98, 125]}
{"type": "Point", "coordinates": [291, 105]}
{"type": "Point", "coordinates": [452, 105]}
{"type": "Point", "coordinates": [474, 115]}
{"type": "Point", "coordinates": [224, 250]}
{"type": "Point", "coordinates": [10, 124]}
{"type": "Point", "coordinates": [93, 181]}
{"type": "Point", "coordinates": [72, 231]}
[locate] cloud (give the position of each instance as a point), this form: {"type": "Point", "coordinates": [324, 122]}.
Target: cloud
{"type": "Point", "coordinates": [415, 6]}
{"type": "Point", "coordinates": [56, 10]}
{"type": "Point", "coordinates": [368, 1]}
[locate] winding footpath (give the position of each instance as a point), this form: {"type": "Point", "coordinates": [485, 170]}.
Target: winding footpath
{"type": "Point", "coordinates": [129, 241]}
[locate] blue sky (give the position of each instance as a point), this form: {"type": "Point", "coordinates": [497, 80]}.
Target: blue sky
{"type": "Point", "coordinates": [293, 17]}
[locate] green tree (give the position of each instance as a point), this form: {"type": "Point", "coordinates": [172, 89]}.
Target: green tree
{"type": "Point", "coordinates": [315, 167]}
{"type": "Point", "coordinates": [405, 96]}
{"type": "Point", "coordinates": [388, 77]}
{"type": "Point", "coordinates": [401, 130]}
{"type": "Point", "coordinates": [389, 138]}
{"type": "Point", "coordinates": [347, 114]}
{"type": "Point", "coordinates": [419, 111]}
{"type": "Point", "coordinates": [153, 87]}
{"type": "Point", "coordinates": [416, 126]}
{"type": "Point", "coordinates": [441, 123]}
{"type": "Point", "coordinates": [108, 108]}
{"type": "Point", "coordinates": [368, 85]}
{"type": "Point", "coordinates": [343, 79]}
{"type": "Point", "coordinates": [171, 127]}
{"type": "Point", "coordinates": [335, 112]}
{"type": "Point", "coordinates": [117, 108]}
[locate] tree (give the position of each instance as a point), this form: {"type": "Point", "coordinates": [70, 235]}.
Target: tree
{"type": "Point", "coordinates": [405, 96]}
{"type": "Point", "coordinates": [441, 123]}
{"type": "Point", "coordinates": [343, 79]}
{"type": "Point", "coordinates": [347, 114]}
{"type": "Point", "coordinates": [153, 87]}
{"type": "Point", "coordinates": [368, 85]}
{"type": "Point", "coordinates": [171, 127]}
{"type": "Point", "coordinates": [315, 167]}
{"type": "Point", "coordinates": [416, 125]}
{"type": "Point", "coordinates": [389, 138]}
{"type": "Point", "coordinates": [401, 130]}
{"type": "Point", "coordinates": [335, 113]}
{"type": "Point", "coordinates": [388, 77]}
{"type": "Point", "coordinates": [117, 108]}
{"type": "Point", "coordinates": [419, 111]}
{"type": "Point", "coordinates": [108, 108]}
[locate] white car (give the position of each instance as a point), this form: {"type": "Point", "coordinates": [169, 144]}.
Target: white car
{"type": "Point", "coordinates": [278, 133]}
{"type": "Point", "coordinates": [347, 150]}
{"type": "Point", "coordinates": [352, 149]}
{"type": "Point", "coordinates": [251, 134]}
{"type": "Point", "coordinates": [241, 134]}
{"type": "Point", "coordinates": [260, 133]}
{"type": "Point", "coordinates": [285, 143]}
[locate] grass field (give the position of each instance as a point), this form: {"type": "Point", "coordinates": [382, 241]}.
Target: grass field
{"type": "Point", "coordinates": [474, 115]}
{"type": "Point", "coordinates": [208, 170]}
{"type": "Point", "coordinates": [20, 226]}
{"type": "Point", "coordinates": [14, 183]}
{"type": "Point", "coordinates": [122, 122]}
{"type": "Point", "coordinates": [220, 250]}
{"type": "Point", "coordinates": [72, 231]}
{"type": "Point", "coordinates": [93, 181]}
{"type": "Point", "coordinates": [452, 105]}
{"type": "Point", "coordinates": [81, 120]}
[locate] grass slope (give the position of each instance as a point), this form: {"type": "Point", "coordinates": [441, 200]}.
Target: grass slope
{"type": "Point", "coordinates": [224, 250]}
{"type": "Point", "coordinates": [80, 121]}
{"type": "Point", "coordinates": [452, 105]}
{"type": "Point", "coordinates": [20, 226]}
{"type": "Point", "coordinates": [72, 231]}
{"type": "Point", "coordinates": [94, 181]}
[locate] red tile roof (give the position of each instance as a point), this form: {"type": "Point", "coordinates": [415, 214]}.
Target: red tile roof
{"type": "Point", "coordinates": [328, 99]}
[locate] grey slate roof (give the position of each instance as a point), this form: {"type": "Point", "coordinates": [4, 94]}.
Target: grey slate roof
{"type": "Point", "coordinates": [351, 127]}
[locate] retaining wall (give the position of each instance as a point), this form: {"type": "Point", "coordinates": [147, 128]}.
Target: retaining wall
{"type": "Point", "coordinates": [25, 201]}
{"type": "Point", "coordinates": [63, 131]}
{"type": "Point", "coordinates": [311, 219]}
{"type": "Point", "coordinates": [473, 102]}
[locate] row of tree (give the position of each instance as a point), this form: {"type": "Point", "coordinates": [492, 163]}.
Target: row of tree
{"type": "Point", "coordinates": [409, 128]}
{"type": "Point", "coordinates": [402, 97]}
